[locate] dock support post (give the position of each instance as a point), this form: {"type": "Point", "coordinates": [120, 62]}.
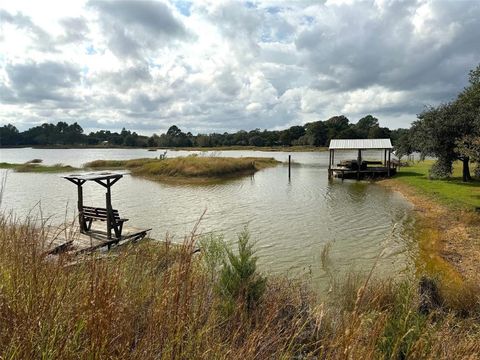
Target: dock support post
{"type": "Point", "coordinates": [388, 162]}
{"type": "Point", "coordinates": [80, 207]}
{"type": "Point", "coordinates": [289, 166]}
{"type": "Point", "coordinates": [330, 164]}
{"type": "Point", "coordinates": [359, 163]}
{"type": "Point", "coordinates": [108, 198]}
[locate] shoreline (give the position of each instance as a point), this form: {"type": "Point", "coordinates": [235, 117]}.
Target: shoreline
{"type": "Point", "coordinates": [445, 237]}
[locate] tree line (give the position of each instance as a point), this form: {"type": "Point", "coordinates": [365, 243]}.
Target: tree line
{"type": "Point", "coordinates": [450, 132]}
{"type": "Point", "coordinates": [317, 133]}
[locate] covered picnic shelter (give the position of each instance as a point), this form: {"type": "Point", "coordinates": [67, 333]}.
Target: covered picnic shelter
{"type": "Point", "coordinates": [359, 168]}
{"type": "Point", "coordinates": [114, 231]}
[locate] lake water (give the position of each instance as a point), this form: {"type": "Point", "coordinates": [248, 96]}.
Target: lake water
{"type": "Point", "coordinates": [290, 220]}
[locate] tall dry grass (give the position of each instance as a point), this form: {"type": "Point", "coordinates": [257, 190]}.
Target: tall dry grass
{"type": "Point", "coordinates": [159, 301]}
{"type": "Point", "coordinates": [196, 167]}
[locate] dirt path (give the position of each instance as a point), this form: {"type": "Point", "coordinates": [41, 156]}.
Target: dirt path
{"type": "Point", "coordinates": [448, 240]}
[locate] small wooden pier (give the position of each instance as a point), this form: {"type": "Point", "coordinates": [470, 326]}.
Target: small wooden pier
{"type": "Point", "coordinates": [359, 168]}
{"type": "Point", "coordinates": [97, 227]}
{"type": "Point", "coordinates": [70, 239]}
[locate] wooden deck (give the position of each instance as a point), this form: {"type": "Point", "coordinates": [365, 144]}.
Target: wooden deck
{"type": "Point", "coordinates": [69, 239]}
{"type": "Point", "coordinates": [370, 172]}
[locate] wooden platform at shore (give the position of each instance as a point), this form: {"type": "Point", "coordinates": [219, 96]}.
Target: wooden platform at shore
{"type": "Point", "coordinates": [368, 173]}
{"type": "Point", "coordinates": [62, 239]}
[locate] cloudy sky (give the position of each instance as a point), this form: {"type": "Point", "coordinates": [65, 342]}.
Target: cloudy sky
{"type": "Point", "coordinates": [213, 65]}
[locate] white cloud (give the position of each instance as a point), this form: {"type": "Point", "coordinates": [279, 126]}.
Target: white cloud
{"type": "Point", "coordinates": [216, 66]}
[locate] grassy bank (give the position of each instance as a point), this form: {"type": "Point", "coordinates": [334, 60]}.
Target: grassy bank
{"type": "Point", "coordinates": [447, 228]}
{"type": "Point", "coordinates": [451, 192]}
{"type": "Point", "coordinates": [37, 168]}
{"type": "Point", "coordinates": [160, 302]}
{"type": "Point", "coordinates": [194, 169]}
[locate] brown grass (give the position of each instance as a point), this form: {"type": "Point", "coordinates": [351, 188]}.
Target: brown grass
{"type": "Point", "coordinates": [156, 301]}
{"type": "Point", "coordinates": [36, 167]}
{"type": "Point", "coordinates": [188, 169]}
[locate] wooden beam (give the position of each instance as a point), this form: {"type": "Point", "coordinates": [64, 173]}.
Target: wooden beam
{"type": "Point", "coordinates": [101, 183]}
{"type": "Point", "coordinates": [114, 181]}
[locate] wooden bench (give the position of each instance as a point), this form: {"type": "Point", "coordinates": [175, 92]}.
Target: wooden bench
{"type": "Point", "coordinates": [91, 214]}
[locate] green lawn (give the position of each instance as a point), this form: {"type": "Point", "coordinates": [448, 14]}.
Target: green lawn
{"type": "Point", "coordinates": [452, 192]}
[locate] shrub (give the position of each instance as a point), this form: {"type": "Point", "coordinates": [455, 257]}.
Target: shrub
{"type": "Point", "coordinates": [213, 250]}
{"type": "Point", "coordinates": [239, 283]}
{"type": "Point", "coordinates": [441, 169]}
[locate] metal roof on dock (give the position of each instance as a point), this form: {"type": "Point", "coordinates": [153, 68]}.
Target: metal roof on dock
{"type": "Point", "coordinates": [362, 144]}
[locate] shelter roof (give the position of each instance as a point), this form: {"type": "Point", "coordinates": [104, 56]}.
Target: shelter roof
{"type": "Point", "coordinates": [360, 144]}
{"type": "Point", "coordinates": [94, 176]}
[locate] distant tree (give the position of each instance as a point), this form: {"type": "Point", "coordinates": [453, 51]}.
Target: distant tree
{"type": "Point", "coordinates": [296, 132]}
{"type": "Point", "coordinates": [153, 140]}
{"type": "Point", "coordinates": [9, 135]}
{"type": "Point", "coordinates": [336, 125]}
{"type": "Point", "coordinates": [203, 140]}
{"type": "Point", "coordinates": [240, 138]}
{"type": "Point", "coordinates": [364, 125]}
{"type": "Point", "coordinates": [285, 138]}
{"type": "Point", "coordinates": [257, 141]}
{"type": "Point", "coordinates": [174, 131]}
{"type": "Point", "coordinates": [348, 133]}
{"type": "Point", "coordinates": [316, 133]}
{"type": "Point", "coordinates": [377, 132]}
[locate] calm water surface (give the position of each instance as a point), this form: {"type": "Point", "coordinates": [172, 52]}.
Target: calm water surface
{"type": "Point", "coordinates": [291, 220]}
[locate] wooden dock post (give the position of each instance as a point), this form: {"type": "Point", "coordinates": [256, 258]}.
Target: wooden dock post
{"type": "Point", "coordinates": [80, 207]}
{"type": "Point", "coordinates": [289, 166]}
{"type": "Point", "coordinates": [359, 162]}
{"type": "Point", "coordinates": [388, 162]}
{"type": "Point", "coordinates": [330, 161]}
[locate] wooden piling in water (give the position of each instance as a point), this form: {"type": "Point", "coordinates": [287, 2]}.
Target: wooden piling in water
{"type": "Point", "coordinates": [289, 166]}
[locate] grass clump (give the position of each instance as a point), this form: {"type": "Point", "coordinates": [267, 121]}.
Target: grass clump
{"type": "Point", "coordinates": [188, 169]}
{"type": "Point", "coordinates": [452, 191]}
{"type": "Point", "coordinates": [36, 167]}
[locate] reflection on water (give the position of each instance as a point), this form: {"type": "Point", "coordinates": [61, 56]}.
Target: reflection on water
{"type": "Point", "coordinates": [291, 221]}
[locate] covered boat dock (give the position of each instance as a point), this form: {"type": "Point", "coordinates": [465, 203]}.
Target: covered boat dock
{"type": "Point", "coordinates": [359, 168]}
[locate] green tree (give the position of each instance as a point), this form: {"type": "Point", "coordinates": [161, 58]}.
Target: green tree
{"type": "Point", "coordinates": [317, 133]}
{"type": "Point", "coordinates": [364, 125]}
{"type": "Point", "coordinates": [9, 135]}
{"type": "Point", "coordinates": [240, 284]}
{"type": "Point", "coordinates": [439, 130]}
{"type": "Point", "coordinates": [174, 131]}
